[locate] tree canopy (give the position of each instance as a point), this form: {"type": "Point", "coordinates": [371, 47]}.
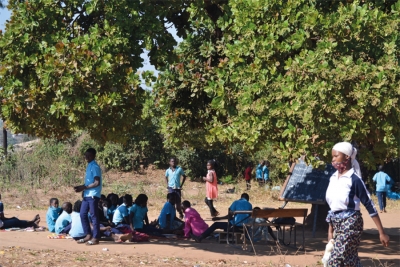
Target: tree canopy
{"type": "Point", "coordinates": [299, 75]}
{"type": "Point", "coordinates": [70, 65]}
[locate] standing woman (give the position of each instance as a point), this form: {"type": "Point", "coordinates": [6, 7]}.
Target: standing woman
{"type": "Point", "coordinates": [345, 192]}
{"type": "Point", "coordinates": [211, 187]}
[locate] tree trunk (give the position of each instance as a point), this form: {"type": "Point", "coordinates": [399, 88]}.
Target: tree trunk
{"type": "Point", "coordinates": [5, 140]}
{"type": "Point", "coordinates": [321, 224]}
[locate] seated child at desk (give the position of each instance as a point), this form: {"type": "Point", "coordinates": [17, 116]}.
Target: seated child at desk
{"type": "Point", "coordinates": [260, 232]}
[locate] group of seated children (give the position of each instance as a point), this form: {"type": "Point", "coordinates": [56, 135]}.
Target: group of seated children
{"type": "Point", "coordinates": [120, 217]}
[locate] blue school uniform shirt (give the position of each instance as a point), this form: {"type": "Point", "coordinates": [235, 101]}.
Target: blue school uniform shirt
{"type": "Point", "coordinates": [110, 212]}
{"type": "Point", "coordinates": [381, 180]}
{"type": "Point", "coordinates": [174, 177]}
{"type": "Point", "coordinates": [139, 214]}
{"type": "Point", "coordinates": [265, 172]}
{"type": "Point", "coordinates": [51, 217]}
{"type": "Point", "coordinates": [259, 171]}
{"type": "Point", "coordinates": [92, 170]}
{"type": "Point", "coordinates": [167, 209]}
{"type": "Point", "coordinates": [241, 204]}
{"type": "Point", "coordinates": [120, 213]}
{"type": "Point", "coordinates": [62, 221]}
{"type": "Point", "coordinates": [76, 225]}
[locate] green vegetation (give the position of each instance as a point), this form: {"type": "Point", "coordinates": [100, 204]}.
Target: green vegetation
{"type": "Point", "coordinates": [267, 79]}
{"type": "Point", "coordinates": [297, 75]}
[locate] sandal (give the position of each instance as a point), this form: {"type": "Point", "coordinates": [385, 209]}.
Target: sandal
{"type": "Point", "coordinates": [91, 243]}
{"type": "Point", "coordinates": [81, 241]}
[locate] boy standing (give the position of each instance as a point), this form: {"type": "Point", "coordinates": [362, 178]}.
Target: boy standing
{"type": "Point", "coordinates": [381, 179]}
{"type": "Point", "coordinates": [91, 197]}
{"type": "Point", "coordinates": [266, 171]}
{"type": "Point", "coordinates": [259, 172]}
{"type": "Point", "coordinates": [174, 185]}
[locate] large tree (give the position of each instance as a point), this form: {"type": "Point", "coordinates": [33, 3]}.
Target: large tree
{"type": "Point", "coordinates": [300, 75]}
{"type": "Point", "coordinates": [72, 64]}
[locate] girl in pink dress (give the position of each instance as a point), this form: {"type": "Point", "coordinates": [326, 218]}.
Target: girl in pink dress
{"type": "Point", "coordinates": [211, 188]}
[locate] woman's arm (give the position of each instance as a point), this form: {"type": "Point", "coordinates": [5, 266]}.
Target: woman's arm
{"type": "Point", "coordinates": [382, 235]}
{"type": "Point", "coordinates": [146, 219]}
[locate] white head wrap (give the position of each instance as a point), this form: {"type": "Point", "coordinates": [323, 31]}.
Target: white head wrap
{"type": "Point", "coordinates": [347, 149]}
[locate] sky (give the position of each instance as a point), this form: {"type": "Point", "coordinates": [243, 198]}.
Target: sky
{"type": "Point", "coordinates": [5, 15]}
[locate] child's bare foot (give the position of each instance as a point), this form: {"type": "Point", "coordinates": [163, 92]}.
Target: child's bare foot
{"type": "Point", "coordinates": [116, 237]}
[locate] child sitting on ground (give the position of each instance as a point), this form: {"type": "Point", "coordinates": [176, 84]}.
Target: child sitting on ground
{"type": "Point", "coordinates": [138, 217]}
{"type": "Point", "coordinates": [194, 224]}
{"type": "Point", "coordinates": [76, 231]}
{"type": "Point", "coordinates": [113, 200]}
{"type": "Point", "coordinates": [121, 214]}
{"type": "Point", "coordinates": [52, 214]}
{"type": "Point", "coordinates": [63, 223]}
{"type": "Point", "coordinates": [167, 220]}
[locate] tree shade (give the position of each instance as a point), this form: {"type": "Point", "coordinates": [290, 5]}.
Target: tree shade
{"type": "Point", "coordinates": [300, 75]}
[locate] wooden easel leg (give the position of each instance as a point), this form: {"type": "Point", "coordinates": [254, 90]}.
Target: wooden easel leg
{"type": "Point", "coordinates": [315, 220]}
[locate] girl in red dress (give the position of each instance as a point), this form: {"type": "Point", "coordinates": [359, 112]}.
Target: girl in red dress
{"type": "Point", "coordinates": [211, 188]}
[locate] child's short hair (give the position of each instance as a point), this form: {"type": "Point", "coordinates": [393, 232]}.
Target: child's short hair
{"type": "Point", "coordinates": [140, 199]}
{"type": "Point", "coordinates": [52, 200]}
{"type": "Point", "coordinates": [127, 198]}
{"type": "Point", "coordinates": [245, 196]}
{"type": "Point", "coordinates": [175, 159]}
{"type": "Point", "coordinates": [186, 203]}
{"type": "Point", "coordinates": [77, 206]}
{"type": "Point", "coordinates": [120, 201]}
{"type": "Point", "coordinates": [107, 202]}
{"type": "Point", "coordinates": [112, 195]}
{"type": "Point", "coordinates": [171, 195]}
{"type": "Point", "coordinates": [92, 151]}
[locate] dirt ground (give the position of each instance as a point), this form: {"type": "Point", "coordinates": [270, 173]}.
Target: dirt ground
{"type": "Point", "coordinates": [35, 249]}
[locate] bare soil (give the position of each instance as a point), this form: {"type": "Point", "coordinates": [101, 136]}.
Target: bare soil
{"type": "Point", "coordinates": [35, 249]}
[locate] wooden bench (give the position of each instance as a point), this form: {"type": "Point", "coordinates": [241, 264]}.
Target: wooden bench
{"type": "Point", "coordinates": [278, 213]}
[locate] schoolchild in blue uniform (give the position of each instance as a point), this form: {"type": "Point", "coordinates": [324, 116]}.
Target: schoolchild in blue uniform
{"type": "Point", "coordinates": [52, 214]}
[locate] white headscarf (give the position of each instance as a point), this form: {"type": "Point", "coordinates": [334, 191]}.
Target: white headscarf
{"type": "Point", "coordinates": [347, 149]}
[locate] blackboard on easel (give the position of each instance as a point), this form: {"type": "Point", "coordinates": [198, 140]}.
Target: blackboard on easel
{"type": "Point", "coordinates": [305, 184]}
